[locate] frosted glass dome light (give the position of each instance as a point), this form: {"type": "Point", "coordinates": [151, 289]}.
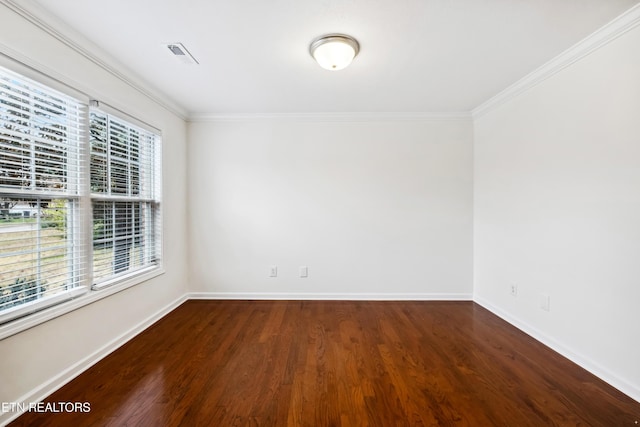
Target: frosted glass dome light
{"type": "Point", "coordinates": [334, 51]}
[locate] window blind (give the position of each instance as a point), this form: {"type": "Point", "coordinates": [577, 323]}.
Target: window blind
{"type": "Point", "coordinates": [125, 193]}
{"type": "Point", "coordinates": [42, 250]}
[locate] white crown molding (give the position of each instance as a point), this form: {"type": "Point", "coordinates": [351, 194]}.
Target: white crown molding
{"type": "Point", "coordinates": [61, 32]}
{"type": "Point", "coordinates": [606, 34]}
{"type": "Point", "coordinates": [330, 117]}
{"type": "Point", "coordinates": [40, 18]}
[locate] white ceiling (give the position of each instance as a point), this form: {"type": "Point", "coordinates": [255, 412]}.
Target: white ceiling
{"type": "Point", "coordinates": [417, 56]}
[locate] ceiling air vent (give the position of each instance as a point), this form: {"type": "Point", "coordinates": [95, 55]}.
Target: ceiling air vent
{"type": "Point", "coordinates": [181, 53]}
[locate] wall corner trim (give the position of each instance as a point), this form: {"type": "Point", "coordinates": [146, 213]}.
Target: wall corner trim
{"type": "Point", "coordinates": [606, 34]}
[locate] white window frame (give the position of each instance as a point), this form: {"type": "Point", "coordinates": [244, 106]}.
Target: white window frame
{"type": "Point", "coordinates": [43, 151]}
{"type": "Point", "coordinates": [86, 293]}
{"type": "Point", "coordinates": [149, 194]}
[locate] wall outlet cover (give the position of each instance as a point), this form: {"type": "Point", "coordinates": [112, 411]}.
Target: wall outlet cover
{"type": "Point", "coordinates": [545, 302]}
{"type": "Point", "coordinates": [513, 289]}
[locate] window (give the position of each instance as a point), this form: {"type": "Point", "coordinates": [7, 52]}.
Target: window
{"type": "Point", "coordinates": [69, 177]}
{"type": "Point", "coordinates": [41, 245]}
{"type": "Point", "coordinates": [125, 197]}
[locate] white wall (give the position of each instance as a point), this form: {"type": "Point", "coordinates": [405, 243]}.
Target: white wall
{"type": "Point", "coordinates": [557, 211]}
{"type": "Point", "coordinates": [383, 209]}
{"type": "Point", "coordinates": [374, 208]}
{"type": "Point", "coordinates": [39, 358]}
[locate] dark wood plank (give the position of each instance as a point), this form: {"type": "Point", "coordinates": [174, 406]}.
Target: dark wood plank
{"type": "Point", "coordinates": [337, 363]}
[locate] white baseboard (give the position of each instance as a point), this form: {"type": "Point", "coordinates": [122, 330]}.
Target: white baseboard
{"type": "Point", "coordinates": [582, 361]}
{"type": "Point", "coordinates": [46, 389]}
{"type": "Point", "coordinates": [330, 296]}
{"type": "Point", "coordinates": [41, 392]}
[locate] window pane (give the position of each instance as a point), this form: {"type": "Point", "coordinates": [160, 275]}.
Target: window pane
{"type": "Point", "coordinates": [124, 238]}
{"type": "Point", "coordinates": [124, 159]}
{"type": "Point", "coordinates": [39, 137]}
{"type": "Point", "coordinates": [36, 254]}
{"type": "Point", "coordinates": [41, 252]}
{"type": "Point", "coordinates": [99, 146]}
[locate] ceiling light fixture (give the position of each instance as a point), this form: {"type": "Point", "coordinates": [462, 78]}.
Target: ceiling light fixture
{"type": "Point", "coordinates": [334, 51]}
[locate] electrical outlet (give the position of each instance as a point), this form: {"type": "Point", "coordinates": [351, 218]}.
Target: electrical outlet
{"type": "Point", "coordinates": [514, 290]}
{"type": "Point", "coordinates": [545, 302]}
{"type": "Point", "coordinates": [273, 271]}
{"type": "Point", "coordinates": [304, 271]}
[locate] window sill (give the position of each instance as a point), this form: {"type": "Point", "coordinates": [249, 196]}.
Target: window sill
{"type": "Point", "coordinates": [29, 321]}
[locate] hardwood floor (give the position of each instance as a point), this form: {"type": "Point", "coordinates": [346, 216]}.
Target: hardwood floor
{"type": "Point", "coordinates": [332, 363]}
